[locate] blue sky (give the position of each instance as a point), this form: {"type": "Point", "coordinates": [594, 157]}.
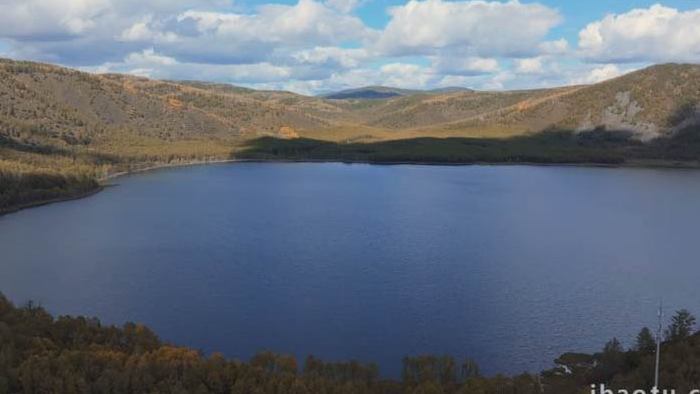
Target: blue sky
{"type": "Point", "coordinates": [315, 46]}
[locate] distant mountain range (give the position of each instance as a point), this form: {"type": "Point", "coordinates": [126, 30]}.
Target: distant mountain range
{"type": "Point", "coordinates": [383, 92]}
{"type": "Point", "coordinates": [59, 121]}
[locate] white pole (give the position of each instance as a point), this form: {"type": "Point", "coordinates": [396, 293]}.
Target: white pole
{"type": "Point", "coordinates": [658, 346]}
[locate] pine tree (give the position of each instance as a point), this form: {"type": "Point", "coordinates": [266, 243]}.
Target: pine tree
{"type": "Point", "coordinates": [681, 326]}
{"type": "Point", "coordinates": [645, 341]}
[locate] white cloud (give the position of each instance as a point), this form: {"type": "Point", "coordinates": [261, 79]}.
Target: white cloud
{"type": "Point", "coordinates": [149, 57]}
{"type": "Point", "coordinates": [49, 18]}
{"type": "Point", "coordinates": [273, 33]}
{"type": "Point", "coordinates": [479, 28]}
{"type": "Point", "coordinates": [139, 31]}
{"type": "Point", "coordinates": [320, 45]}
{"type": "Point", "coordinates": [657, 33]}
{"type": "Point", "coordinates": [466, 66]}
{"type": "Point", "coordinates": [143, 31]}
{"type": "Point", "coordinates": [557, 47]}
{"type": "Point", "coordinates": [405, 75]}
{"type": "Point", "coordinates": [344, 6]}
{"type": "Point", "coordinates": [62, 19]}
{"type": "Point", "coordinates": [598, 74]}
{"type": "Point", "coordinates": [306, 22]}
{"type": "Point", "coordinates": [529, 65]}
{"type": "Point", "coordinates": [151, 64]}
{"type": "Point", "coordinates": [401, 75]}
{"type": "Point", "coordinates": [88, 32]}
{"type": "Point", "coordinates": [499, 81]}
{"type": "Point", "coordinates": [332, 56]}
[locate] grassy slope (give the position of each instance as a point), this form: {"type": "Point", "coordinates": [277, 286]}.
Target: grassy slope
{"type": "Point", "coordinates": [71, 128]}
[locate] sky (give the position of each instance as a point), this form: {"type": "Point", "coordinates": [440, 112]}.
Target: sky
{"type": "Point", "coordinates": [318, 46]}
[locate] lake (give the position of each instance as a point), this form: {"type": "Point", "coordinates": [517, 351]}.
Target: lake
{"type": "Point", "coordinates": [508, 265]}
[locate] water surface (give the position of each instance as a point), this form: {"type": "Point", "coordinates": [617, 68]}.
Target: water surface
{"type": "Point", "coordinates": [509, 265]}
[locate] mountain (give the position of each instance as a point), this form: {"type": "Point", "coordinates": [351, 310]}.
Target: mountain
{"type": "Point", "coordinates": [369, 93]}
{"type": "Point", "coordinates": [384, 92]}
{"type": "Point", "coordinates": [61, 129]}
{"type": "Point", "coordinates": [450, 89]}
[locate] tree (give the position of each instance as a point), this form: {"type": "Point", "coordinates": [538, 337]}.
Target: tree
{"type": "Point", "coordinates": [612, 361]}
{"type": "Point", "coordinates": [613, 347]}
{"type": "Point", "coordinates": [645, 341]}
{"type": "Point", "coordinates": [681, 326]}
{"type": "Point", "coordinates": [470, 369]}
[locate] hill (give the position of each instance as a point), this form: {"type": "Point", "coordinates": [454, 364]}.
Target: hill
{"type": "Point", "coordinates": [62, 130]}
{"type": "Point", "coordinates": [384, 92]}
{"type": "Point", "coordinates": [369, 93]}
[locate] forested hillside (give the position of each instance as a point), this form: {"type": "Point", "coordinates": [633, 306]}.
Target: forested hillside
{"type": "Point", "coordinates": [42, 354]}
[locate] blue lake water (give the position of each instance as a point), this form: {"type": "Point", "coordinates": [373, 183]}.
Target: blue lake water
{"type": "Point", "coordinates": [508, 265]}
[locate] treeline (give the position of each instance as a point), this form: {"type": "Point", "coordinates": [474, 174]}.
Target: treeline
{"type": "Point", "coordinates": [633, 369]}
{"type": "Point", "coordinates": [34, 172]}
{"type": "Point", "coordinates": [19, 189]}
{"type": "Point", "coordinates": [41, 354]}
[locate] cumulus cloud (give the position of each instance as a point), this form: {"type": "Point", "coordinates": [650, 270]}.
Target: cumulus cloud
{"type": "Point", "coordinates": [498, 81]}
{"type": "Point", "coordinates": [465, 66]}
{"type": "Point", "coordinates": [63, 19]}
{"type": "Point", "coordinates": [479, 28]}
{"type": "Point", "coordinates": [529, 66]}
{"type": "Point", "coordinates": [85, 32]}
{"type": "Point", "coordinates": [49, 18]}
{"type": "Point", "coordinates": [398, 74]}
{"type": "Point", "coordinates": [406, 75]}
{"type": "Point", "coordinates": [307, 21]}
{"type": "Point", "coordinates": [598, 74]}
{"type": "Point", "coordinates": [320, 45]}
{"type": "Point", "coordinates": [147, 30]}
{"type": "Point", "coordinates": [151, 64]}
{"type": "Point", "coordinates": [344, 6]}
{"type": "Point", "coordinates": [657, 33]}
{"type": "Point", "coordinates": [270, 34]}
{"type": "Point", "coordinates": [556, 47]}
{"type": "Point", "coordinates": [331, 56]}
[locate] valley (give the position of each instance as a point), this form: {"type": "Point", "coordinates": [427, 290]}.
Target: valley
{"type": "Point", "coordinates": [62, 130]}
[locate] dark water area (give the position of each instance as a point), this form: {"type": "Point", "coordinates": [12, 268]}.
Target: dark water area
{"type": "Point", "coordinates": [508, 265]}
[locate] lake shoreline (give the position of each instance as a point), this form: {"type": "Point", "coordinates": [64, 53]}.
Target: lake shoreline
{"type": "Point", "coordinates": [642, 164]}
{"type": "Point", "coordinates": [104, 180]}
{"type": "Point", "coordinates": [40, 203]}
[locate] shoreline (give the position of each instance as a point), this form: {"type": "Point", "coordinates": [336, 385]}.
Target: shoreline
{"type": "Point", "coordinates": [40, 203]}
{"type": "Point", "coordinates": [641, 164]}
{"type": "Point", "coordinates": [104, 180]}
{"type": "Point", "coordinates": [162, 166]}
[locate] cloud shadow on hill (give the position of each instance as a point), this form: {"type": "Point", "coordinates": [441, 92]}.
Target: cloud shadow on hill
{"type": "Point", "coordinates": [551, 146]}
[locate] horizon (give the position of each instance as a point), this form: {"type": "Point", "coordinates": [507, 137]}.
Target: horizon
{"type": "Point", "coordinates": [323, 94]}
{"type": "Point", "coordinates": [315, 47]}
